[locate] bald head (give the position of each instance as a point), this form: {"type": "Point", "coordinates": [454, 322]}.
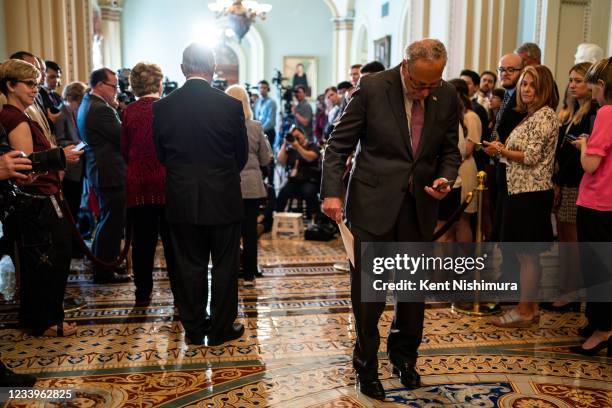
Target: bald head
{"type": "Point", "coordinates": [198, 60]}
{"type": "Point", "coordinates": [509, 68]}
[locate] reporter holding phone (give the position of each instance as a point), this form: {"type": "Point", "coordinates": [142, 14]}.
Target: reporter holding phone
{"type": "Point", "coordinates": [67, 136]}
{"type": "Point", "coordinates": [41, 231]}
{"type": "Point", "coordinates": [576, 116]}
{"type": "Point", "coordinates": [530, 154]}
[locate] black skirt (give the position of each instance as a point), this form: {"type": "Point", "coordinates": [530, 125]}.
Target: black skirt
{"type": "Point", "coordinates": [526, 217]}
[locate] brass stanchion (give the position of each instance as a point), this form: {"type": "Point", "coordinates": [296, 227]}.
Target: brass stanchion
{"type": "Point", "coordinates": [476, 308]}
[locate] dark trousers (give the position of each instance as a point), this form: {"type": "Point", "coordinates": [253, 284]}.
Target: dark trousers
{"type": "Point", "coordinates": [595, 226]}
{"type": "Point", "coordinates": [299, 189]}
{"type": "Point", "coordinates": [72, 191]}
{"type": "Point", "coordinates": [43, 245]}
{"type": "Point", "coordinates": [193, 245]}
{"type": "Point", "coordinates": [500, 201]}
{"type": "Point", "coordinates": [111, 225]}
{"type": "Point", "coordinates": [407, 327]}
{"type": "Point", "coordinates": [149, 223]}
{"type": "Point", "coordinates": [249, 238]}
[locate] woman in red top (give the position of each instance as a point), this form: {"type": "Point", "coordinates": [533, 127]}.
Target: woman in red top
{"type": "Point", "coordinates": [146, 180]}
{"type": "Point", "coordinates": [41, 231]}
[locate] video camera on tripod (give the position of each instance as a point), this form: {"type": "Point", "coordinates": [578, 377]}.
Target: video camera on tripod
{"type": "Point", "coordinates": [285, 94]}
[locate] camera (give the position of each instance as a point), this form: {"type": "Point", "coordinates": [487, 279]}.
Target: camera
{"type": "Point", "coordinates": [48, 160]}
{"type": "Point", "coordinates": [286, 95]}
{"type": "Point", "coordinates": [169, 86]}
{"type": "Point", "coordinates": [289, 137]}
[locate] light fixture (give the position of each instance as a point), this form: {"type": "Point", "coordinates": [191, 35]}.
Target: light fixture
{"type": "Point", "coordinates": [241, 14]}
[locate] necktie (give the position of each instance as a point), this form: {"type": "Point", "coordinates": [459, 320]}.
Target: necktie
{"type": "Point", "coordinates": [502, 108]}
{"type": "Point", "coordinates": [417, 121]}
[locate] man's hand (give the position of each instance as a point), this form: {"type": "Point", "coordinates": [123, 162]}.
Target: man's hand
{"type": "Point", "coordinates": [72, 156]}
{"type": "Point", "coordinates": [12, 163]}
{"type": "Point", "coordinates": [438, 195]}
{"type": "Point", "coordinates": [332, 207]}
{"type": "Point", "coordinates": [53, 117]}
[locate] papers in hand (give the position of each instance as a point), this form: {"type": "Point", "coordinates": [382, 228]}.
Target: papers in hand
{"type": "Point", "coordinates": [347, 240]}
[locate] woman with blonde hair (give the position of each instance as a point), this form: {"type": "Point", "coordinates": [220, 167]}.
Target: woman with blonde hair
{"type": "Point", "coordinates": [145, 180]}
{"type": "Point", "coordinates": [530, 152]}
{"type": "Point", "coordinates": [576, 117]}
{"type": "Point", "coordinates": [251, 183]}
{"type": "Point", "coordinates": [42, 233]}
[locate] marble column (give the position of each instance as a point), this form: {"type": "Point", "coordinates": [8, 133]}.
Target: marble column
{"type": "Point", "coordinates": [58, 30]}
{"type": "Point", "coordinates": [343, 36]}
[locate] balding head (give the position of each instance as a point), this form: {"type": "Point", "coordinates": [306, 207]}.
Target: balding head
{"type": "Point", "coordinates": [428, 49]}
{"type": "Point", "coordinates": [198, 60]}
{"type": "Point", "coordinates": [509, 69]}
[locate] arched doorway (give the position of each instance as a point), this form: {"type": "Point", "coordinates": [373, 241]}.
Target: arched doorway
{"type": "Point", "coordinates": [227, 64]}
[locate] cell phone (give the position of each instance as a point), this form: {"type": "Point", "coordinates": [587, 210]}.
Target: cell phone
{"type": "Point", "coordinates": [80, 146]}
{"type": "Point", "coordinates": [571, 138]}
{"type": "Point", "coordinates": [442, 186]}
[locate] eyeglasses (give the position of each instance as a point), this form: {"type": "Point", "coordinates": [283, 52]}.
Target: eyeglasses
{"type": "Point", "coordinates": [30, 83]}
{"type": "Point", "coordinates": [420, 86]}
{"type": "Point", "coordinates": [115, 86]}
{"type": "Point", "coordinates": [509, 70]}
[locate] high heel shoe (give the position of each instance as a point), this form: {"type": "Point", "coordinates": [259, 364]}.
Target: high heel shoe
{"type": "Point", "coordinates": [593, 351]}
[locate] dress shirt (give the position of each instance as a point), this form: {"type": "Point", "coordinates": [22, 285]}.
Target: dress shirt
{"type": "Point", "coordinates": [265, 112]}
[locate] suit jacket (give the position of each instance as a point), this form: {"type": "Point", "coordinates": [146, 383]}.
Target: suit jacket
{"type": "Point", "coordinates": [67, 133]}
{"type": "Point", "coordinates": [99, 126]}
{"type": "Point", "coordinates": [200, 136]}
{"type": "Point", "coordinates": [385, 165]}
{"type": "Point", "coordinates": [510, 119]}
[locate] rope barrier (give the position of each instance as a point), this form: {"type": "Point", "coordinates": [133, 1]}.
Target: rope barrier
{"type": "Point", "coordinates": [83, 247]}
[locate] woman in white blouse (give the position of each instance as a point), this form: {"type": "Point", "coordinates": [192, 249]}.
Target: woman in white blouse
{"type": "Point", "coordinates": [530, 154]}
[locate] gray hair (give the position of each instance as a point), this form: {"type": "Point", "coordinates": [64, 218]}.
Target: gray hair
{"type": "Point", "coordinates": [588, 52]}
{"type": "Point", "coordinates": [531, 49]}
{"type": "Point", "coordinates": [428, 49]}
{"type": "Point", "coordinates": [198, 58]}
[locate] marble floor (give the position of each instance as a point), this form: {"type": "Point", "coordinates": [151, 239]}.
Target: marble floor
{"type": "Point", "coordinates": [296, 351]}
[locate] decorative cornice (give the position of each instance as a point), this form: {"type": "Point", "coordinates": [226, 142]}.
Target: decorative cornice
{"type": "Point", "coordinates": [343, 23]}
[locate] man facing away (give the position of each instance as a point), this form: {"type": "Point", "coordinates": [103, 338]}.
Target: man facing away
{"type": "Point", "coordinates": [200, 136]}
{"type": "Point", "coordinates": [406, 121]}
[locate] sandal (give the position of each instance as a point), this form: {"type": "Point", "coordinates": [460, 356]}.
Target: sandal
{"type": "Point", "coordinates": [514, 319]}
{"type": "Point", "coordinates": [61, 330]}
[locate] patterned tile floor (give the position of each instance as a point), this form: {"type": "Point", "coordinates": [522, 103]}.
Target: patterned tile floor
{"type": "Point", "coordinates": [296, 351]}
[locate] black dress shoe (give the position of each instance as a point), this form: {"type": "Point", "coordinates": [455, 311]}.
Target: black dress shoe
{"type": "Point", "coordinates": [586, 331]}
{"type": "Point", "coordinates": [592, 351]}
{"type": "Point", "coordinates": [371, 388]}
{"type": "Point", "coordinates": [408, 375]}
{"type": "Point", "coordinates": [194, 340]}
{"type": "Point", "coordinates": [234, 333]}
{"type": "Point", "coordinates": [112, 278]}
{"type": "Point", "coordinates": [10, 379]}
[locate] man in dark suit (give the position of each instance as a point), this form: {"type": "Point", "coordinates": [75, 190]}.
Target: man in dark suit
{"type": "Point", "coordinates": [99, 126]}
{"type": "Point", "coordinates": [406, 120]}
{"type": "Point", "coordinates": [509, 69]}
{"type": "Point", "coordinates": [200, 136]}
